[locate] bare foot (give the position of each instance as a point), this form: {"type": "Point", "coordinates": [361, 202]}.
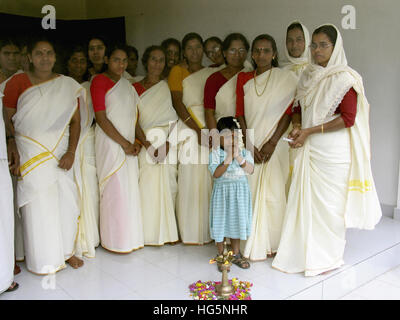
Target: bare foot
{"type": "Point", "coordinates": [75, 262]}
{"type": "Point", "coordinates": [17, 269]}
{"type": "Point", "coordinates": [14, 286]}
{"type": "Point", "coordinates": [271, 255]}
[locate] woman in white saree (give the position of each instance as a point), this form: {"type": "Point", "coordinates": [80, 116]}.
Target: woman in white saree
{"type": "Point", "coordinates": [220, 88]}
{"type": "Point", "coordinates": [297, 48]}
{"type": "Point", "coordinates": [186, 82]}
{"type": "Point", "coordinates": [7, 214]}
{"type": "Point", "coordinates": [332, 185]}
{"type": "Point", "coordinates": [85, 165]}
{"type": "Point", "coordinates": [264, 99]}
{"type": "Point", "coordinates": [46, 139]}
{"type": "Point", "coordinates": [158, 177]}
{"type": "Point", "coordinates": [115, 103]}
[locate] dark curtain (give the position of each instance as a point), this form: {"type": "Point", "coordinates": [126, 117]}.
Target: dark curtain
{"type": "Point", "coordinates": [67, 34]}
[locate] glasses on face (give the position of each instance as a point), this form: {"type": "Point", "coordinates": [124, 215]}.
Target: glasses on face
{"type": "Point", "coordinates": [258, 51]}
{"type": "Point", "coordinates": [241, 51]}
{"type": "Point", "coordinates": [213, 51]}
{"type": "Point", "coordinates": [322, 45]}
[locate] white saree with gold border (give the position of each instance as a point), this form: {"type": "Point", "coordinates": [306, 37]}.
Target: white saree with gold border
{"type": "Point", "coordinates": [48, 197]}
{"type": "Point", "coordinates": [158, 181]}
{"type": "Point", "coordinates": [121, 228]}
{"type": "Point", "coordinates": [18, 232]}
{"type": "Point", "coordinates": [332, 185]}
{"type": "Point", "coordinates": [194, 179]}
{"type": "Point", "coordinates": [267, 183]}
{"type": "Point", "coordinates": [7, 214]}
{"type": "Point", "coordinates": [85, 164]}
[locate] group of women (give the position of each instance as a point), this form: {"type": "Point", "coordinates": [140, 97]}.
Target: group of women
{"type": "Point", "coordinates": [105, 156]}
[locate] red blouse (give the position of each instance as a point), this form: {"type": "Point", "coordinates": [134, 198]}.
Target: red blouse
{"type": "Point", "coordinates": [211, 88]}
{"type": "Point", "coordinates": [98, 90]}
{"type": "Point", "coordinates": [347, 108]}
{"type": "Point", "coordinates": [140, 89]}
{"type": "Point", "coordinates": [243, 78]}
{"type": "Point", "coordinates": [14, 88]}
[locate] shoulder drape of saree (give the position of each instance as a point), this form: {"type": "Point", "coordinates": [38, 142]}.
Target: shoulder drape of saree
{"type": "Point", "coordinates": [158, 180]}
{"type": "Point", "coordinates": [85, 168]}
{"type": "Point", "coordinates": [42, 132]}
{"type": "Point", "coordinates": [225, 99]}
{"type": "Point", "coordinates": [122, 112]}
{"type": "Point", "coordinates": [193, 94]}
{"type": "Point", "coordinates": [277, 97]}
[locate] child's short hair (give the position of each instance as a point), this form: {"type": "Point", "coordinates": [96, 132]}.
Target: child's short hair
{"type": "Point", "coordinates": [227, 123]}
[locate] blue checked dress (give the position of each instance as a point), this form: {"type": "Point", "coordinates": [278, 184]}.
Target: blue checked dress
{"type": "Point", "coordinates": [230, 205]}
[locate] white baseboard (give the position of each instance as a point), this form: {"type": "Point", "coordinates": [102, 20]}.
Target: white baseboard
{"type": "Point", "coordinates": [387, 210]}
{"type": "Point", "coordinates": [396, 214]}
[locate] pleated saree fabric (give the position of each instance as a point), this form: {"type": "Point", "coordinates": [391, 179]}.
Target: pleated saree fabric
{"type": "Point", "coordinates": [332, 185]}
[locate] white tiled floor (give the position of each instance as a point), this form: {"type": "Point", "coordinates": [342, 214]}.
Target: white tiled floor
{"type": "Point", "coordinates": [166, 272]}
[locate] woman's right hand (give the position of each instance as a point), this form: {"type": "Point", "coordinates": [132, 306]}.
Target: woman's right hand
{"type": "Point", "coordinates": [129, 149]}
{"type": "Point", "coordinates": [13, 157]}
{"type": "Point", "coordinates": [258, 158]}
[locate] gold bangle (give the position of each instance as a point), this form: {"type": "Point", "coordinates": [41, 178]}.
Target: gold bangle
{"type": "Point", "coordinates": [322, 128]}
{"type": "Point", "coordinates": [186, 119]}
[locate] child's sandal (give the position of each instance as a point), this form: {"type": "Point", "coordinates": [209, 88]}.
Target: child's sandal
{"type": "Point", "coordinates": [240, 261]}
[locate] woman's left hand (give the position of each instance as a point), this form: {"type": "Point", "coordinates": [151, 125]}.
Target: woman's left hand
{"type": "Point", "coordinates": [67, 161]}
{"type": "Point", "coordinates": [267, 150]}
{"type": "Point", "coordinates": [300, 140]}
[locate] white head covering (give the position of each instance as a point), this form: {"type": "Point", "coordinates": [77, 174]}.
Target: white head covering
{"type": "Point", "coordinates": [322, 90]}
{"type": "Point", "coordinates": [305, 56]}
{"type": "Point", "coordinates": [298, 65]}
{"type": "Point", "coordinates": [334, 80]}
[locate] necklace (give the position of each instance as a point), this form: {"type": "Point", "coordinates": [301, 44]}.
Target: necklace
{"type": "Point", "coordinates": [266, 83]}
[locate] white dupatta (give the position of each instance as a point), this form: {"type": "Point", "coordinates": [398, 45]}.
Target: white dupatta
{"type": "Point", "coordinates": [279, 93]}
{"type": "Point", "coordinates": [193, 94]}
{"type": "Point", "coordinates": [41, 122]}
{"type": "Point", "coordinates": [123, 115]}
{"type": "Point", "coordinates": [320, 91]}
{"type": "Point", "coordinates": [225, 100]}
{"type": "Point", "coordinates": [298, 65]}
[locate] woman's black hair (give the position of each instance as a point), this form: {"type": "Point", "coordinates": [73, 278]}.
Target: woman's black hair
{"type": "Point", "coordinates": [9, 42]}
{"type": "Point", "coordinates": [32, 44]}
{"type": "Point", "coordinates": [110, 50]}
{"type": "Point", "coordinates": [191, 36]}
{"type": "Point", "coordinates": [213, 39]}
{"type": "Point", "coordinates": [167, 42]}
{"type": "Point", "coordinates": [270, 39]}
{"type": "Point", "coordinates": [78, 48]}
{"type": "Point", "coordinates": [232, 37]}
{"type": "Point", "coordinates": [132, 49]}
{"type": "Point", "coordinates": [295, 25]}
{"type": "Point", "coordinates": [227, 123]}
{"type": "Point", "coordinates": [102, 39]}
{"type": "Point", "coordinates": [329, 31]}
{"type": "Point", "coordinates": [148, 51]}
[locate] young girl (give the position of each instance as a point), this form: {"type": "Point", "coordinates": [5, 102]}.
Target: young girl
{"type": "Point", "coordinates": [230, 207]}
